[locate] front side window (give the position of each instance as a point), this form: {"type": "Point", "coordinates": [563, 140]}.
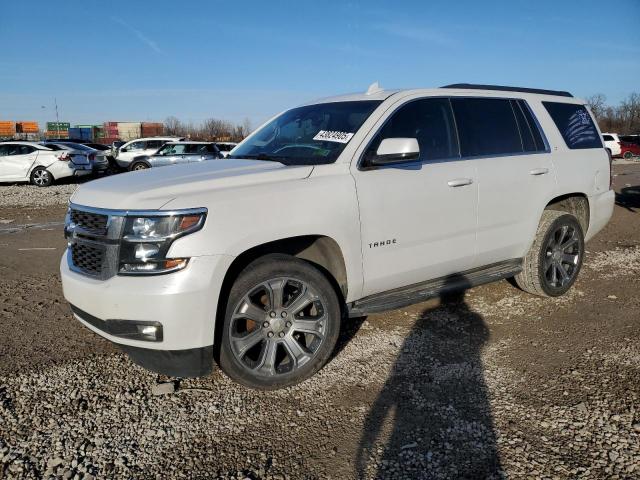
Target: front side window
{"type": "Point", "coordinates": [486, 126]}
{"type": "Point", "coordinates": [4, 150]}
{"type": "Point", "coordinates": [309, 135]}
{"type": "Point", "coordinates": [153, 144]}
{"type": "Point", "coordinates": [173, 149]}
{"type": "Point", "coordinates": [575, 125]}
{"type": "Point", "coordinates": [430, 121]}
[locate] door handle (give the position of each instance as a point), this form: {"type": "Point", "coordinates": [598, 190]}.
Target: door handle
{"type": "Point", "coordinates": [539, 171]}
{"type": "Point", "coordinates": [460, 182]}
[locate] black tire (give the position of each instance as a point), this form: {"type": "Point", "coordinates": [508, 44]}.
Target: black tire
{"type": "Point", "coordinates": [41, 177]}
{"type": "Point", "coordinates": [139, 166]}
{"type": "Point", "coordinates": [553, 262]}
{"type": "Point", "coordinates": [627, 155]}
{"type": "Point", "coordinates": [275, 330]}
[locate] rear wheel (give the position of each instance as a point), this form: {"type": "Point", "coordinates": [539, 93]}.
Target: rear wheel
{"type": "Point", "coordinates": [281, 324]}
{"type": "Point", "coordinates": [627, 155]}
{"type": "Point", "coordinates": [553, 262]}
{"type": "Point", "coordinates": [41, 177]}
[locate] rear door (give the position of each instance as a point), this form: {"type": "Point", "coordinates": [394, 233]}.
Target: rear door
{"type": "Point", "coordinates": [516, 176]}
{"type": "Point", "coordinates": [201, 152]}
{"type": "Point", "coordinates": [16, 161]}
{"type": "Point", "coordinates": [152, 146]}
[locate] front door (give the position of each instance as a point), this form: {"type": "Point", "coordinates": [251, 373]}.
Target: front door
{"type": "Point", "coordinates": [418, 220]}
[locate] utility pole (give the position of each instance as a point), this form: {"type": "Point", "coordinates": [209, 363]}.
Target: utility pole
{"type": "Point", "coordinates": [55, 101]}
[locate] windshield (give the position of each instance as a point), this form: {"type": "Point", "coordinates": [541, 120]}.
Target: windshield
{"type": "Point", "coordinates": [310, 135]}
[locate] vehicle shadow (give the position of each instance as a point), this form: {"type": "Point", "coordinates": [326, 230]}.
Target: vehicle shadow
{"type": "Point", "coordinates": [629, 198]}
{"type": "Point", "coordinates": [432, 418]}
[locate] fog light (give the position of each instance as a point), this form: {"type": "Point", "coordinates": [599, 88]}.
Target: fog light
{"type": "Point", "coordinates": [147, 331]}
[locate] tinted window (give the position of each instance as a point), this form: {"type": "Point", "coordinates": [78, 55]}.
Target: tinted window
{"type": "Point", "coordinates": [486, 126]}
{"type": "Point", "coordinates": [533, 126]}
{"type": "Point", "coordinates": [135, 146]}
{"type": "Point", "coordinates": [4, 150]}
{"type": "Point", "coordinates": [528, 144]}
{"type": "Point", "coordinates": [430, 121]}
{"type": "Point", "coordinates": [607, 138]}
{"type": "Point", "coordinates": [154, 144]}
{"type": "Point", "coordinates": [575, 125]}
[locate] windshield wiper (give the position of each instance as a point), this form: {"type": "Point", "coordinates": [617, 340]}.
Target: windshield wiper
{"type": "Point", "coordinates": [261, 156]}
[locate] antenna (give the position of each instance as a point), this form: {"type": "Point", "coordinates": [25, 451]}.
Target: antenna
{"type": "Point", "coordinates": [373, 88]}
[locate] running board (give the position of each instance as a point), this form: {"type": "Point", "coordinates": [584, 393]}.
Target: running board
{"type": "Point", "coordinates": [419, 292]}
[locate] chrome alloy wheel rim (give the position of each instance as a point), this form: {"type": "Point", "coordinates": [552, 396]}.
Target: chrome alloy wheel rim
{"type": "Point", "coordinates": [278, 327]}
{"type": "Point", "coordinates": [41, 177]}
{"type": "Point", "coordinates": [562, 256]}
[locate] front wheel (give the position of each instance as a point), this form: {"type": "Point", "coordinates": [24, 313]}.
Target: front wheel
{"type": "Point", "coordinates": [139, 166]}
{"type": "Point", "coordinates": [41, 177]}
{"type": "Point", "coordinates": [281, 324]}
{"type": "Point", "coordinates": [553, 262]}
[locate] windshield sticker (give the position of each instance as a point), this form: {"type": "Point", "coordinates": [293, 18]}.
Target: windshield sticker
{"type": "Point", "coordinates": [333, 136]}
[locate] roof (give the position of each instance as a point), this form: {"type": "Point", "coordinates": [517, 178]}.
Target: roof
{"type": "Point", "coordinates": [376, 93]}
{"type": "Point", "coordinates": [22, 142]}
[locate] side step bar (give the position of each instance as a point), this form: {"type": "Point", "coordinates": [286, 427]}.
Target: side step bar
{"type": "Point", "coordinates": [419, 292]}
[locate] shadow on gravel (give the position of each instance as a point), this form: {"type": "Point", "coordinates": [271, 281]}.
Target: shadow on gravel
{"type": "Point", "coordinates": [432, 418]}
{"type": "Point", "coordinates": [629, 198]}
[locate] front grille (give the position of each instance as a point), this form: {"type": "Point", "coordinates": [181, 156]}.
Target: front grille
{"type": "Point", "coordinates": [88, 258]}
{"type": "Point", "coordinates": [93, 223]}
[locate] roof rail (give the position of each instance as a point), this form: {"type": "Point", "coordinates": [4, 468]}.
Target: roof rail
{"type": "Point", "coordinates": [502, 88]}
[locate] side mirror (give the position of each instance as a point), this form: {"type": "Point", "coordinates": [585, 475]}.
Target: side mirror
{"type": "Point", "coordinates": [396, 150]}
{"type": "Point", "coordinates": [123, 150]}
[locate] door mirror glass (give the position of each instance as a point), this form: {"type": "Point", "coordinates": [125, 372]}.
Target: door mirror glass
{"type": "Point", "coordinates": [396, 150]}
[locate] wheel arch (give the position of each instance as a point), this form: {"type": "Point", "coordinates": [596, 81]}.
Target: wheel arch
{"type": "Point", "coordinates": [321, 251]}
{"type": "Point", "coordinates": [576, 203]}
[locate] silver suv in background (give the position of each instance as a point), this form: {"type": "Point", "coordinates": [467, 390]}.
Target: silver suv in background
{"type": "Point", "coordinates": [126, 153]}
{"type": "Point", "coordinates": [176, 153]}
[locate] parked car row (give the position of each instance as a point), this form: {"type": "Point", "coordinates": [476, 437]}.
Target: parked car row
{"type": "Point", "coordinates": [625, 146]}
{"type": "Point", "coordinates": [43, 163]}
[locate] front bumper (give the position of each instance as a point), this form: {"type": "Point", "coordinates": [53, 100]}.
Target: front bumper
{"type": "Point", "coordinates": [184, 303]}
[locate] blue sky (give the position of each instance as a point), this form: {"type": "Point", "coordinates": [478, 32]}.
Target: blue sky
{"type": "Point", "coordinates": [135, 60]}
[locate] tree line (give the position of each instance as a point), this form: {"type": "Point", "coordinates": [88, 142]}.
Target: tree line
{"type": "Point", "coordinates": [623, 118]}
{"type": "Point", "coordinates": [211, 129]}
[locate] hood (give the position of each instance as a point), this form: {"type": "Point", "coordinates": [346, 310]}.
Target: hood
{"type": "Point", "coordinates": [151, 189]}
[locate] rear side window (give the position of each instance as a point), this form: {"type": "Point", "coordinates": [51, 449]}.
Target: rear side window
{"type": "Point", "coordinates": [534, 128]}
{"type": "Point", "coordinates": [430, 121]}
{"type": "Point", "coordinates": [486, 126]}
{"type": "Point", "coordinates": [608, 138]}
{"type": "Point", "coordinates": [4, 150]}
{"type": "Point", "coordinates": [575, 125]}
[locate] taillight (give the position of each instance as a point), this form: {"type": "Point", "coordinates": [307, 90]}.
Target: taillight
{"type": "Point", "coordinates": [65, 157]}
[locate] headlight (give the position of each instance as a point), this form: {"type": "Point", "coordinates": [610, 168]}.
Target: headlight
{"type": "Point", "coordinates": [146, 240]}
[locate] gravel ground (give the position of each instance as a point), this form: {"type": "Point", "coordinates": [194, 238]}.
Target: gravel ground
{"type": "Point", "coordinates": [491, 383]}
{"type": "Point", "coordinates": [30, 196]}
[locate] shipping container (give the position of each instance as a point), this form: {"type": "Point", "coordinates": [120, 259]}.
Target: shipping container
{"type": "Point", "coordinates": [129, 130]}
{"type": "Point", "coordinates": [27, 127]}
{"type": "Point", "coordinates": [81, 133]}
{"type": "Point", "coordinates": [107, 140]}
{"type": "Point", "coordinates": [54, 134]}
{"type": "Point", "coordinates": [149, 129]}
{"type": "Point", "coordinates": [58, 126]}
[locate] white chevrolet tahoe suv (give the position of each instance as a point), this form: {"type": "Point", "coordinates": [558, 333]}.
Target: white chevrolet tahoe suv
{"type": "Point", "coordinates": [342, 207]}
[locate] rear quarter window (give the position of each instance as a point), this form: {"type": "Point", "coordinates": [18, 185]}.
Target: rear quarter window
{"type": "Point", "coordinates": [575, 125]}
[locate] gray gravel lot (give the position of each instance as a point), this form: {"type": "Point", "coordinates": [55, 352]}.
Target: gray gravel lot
{"type": "Point", "coordinates": [492, 383]}
{"type": "Point", "coordinates": [22, 195]}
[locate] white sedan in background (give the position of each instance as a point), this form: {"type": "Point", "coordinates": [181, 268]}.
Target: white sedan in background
{"type": "Point", "coordinates": [38, 164]}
